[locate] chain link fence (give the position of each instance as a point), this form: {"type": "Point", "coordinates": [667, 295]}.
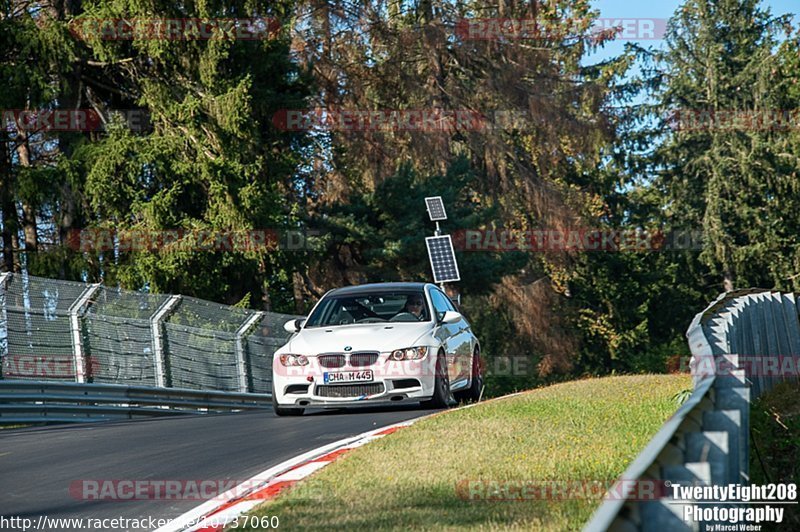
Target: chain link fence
{"type": "Point", "coordinates": [75, 332]}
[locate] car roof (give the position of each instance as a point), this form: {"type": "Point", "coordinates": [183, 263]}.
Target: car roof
{"type": "Point", "coordinates": [378, 287]}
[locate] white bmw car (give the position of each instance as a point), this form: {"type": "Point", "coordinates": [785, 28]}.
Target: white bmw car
{"type": "Point", "coordinates": [377, 343]}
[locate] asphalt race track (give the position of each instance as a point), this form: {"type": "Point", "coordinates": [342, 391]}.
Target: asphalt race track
{"type": "Point", "coordinates": [38, 464]}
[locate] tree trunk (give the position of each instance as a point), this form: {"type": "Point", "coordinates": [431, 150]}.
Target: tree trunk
{"type": "Point", "coordinates": [29, 228]}
{"type": "Point", "coordinates": [70, 98]}
{"type": "Point", "coordinates": [727, 282]}
{"type": "Point", "coordinates": [28, 210]}
{"type": "Point", "coordinates": [298, 287]}
{"type": "Point", "coordinates": [6, 204]}
{"type": "Point", "coordinates": [266, 301]}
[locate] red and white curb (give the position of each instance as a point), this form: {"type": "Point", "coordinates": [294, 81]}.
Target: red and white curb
{"type": "Point", "coordinates": [211, 516]}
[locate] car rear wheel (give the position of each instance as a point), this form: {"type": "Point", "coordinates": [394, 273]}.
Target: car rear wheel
{"type": "Point", "coordinates": [442, 398]}
{"type": "Point", "coordinates": [283, 411]}
{"type": "Point", "coordinates": [473, 393]}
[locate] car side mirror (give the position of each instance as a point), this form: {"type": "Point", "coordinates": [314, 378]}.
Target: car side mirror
{"type": "Point", "coordinates": [292, 326]}
{"type": "Point", "coordinates": [451, 317]}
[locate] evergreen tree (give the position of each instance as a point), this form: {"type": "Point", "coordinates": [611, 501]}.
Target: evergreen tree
{"type": "Point", "coordinates": [210, 158]}
{"type": "Point", "coordinates": [720, 170]}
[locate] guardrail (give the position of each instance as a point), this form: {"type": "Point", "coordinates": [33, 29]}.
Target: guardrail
{"type": "Point", "coordinates": [742, 344]}
{"type": "Point", "coordinates": [23, 402]}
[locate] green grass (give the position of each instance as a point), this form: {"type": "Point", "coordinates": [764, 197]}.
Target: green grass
{"type": "Point", "coordinates": [586, 430]}
{"type": "Point", "coordinates": [775, 444]}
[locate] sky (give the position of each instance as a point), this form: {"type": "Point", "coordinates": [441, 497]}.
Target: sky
{"type": "Point", "coordinates": [661, 10]}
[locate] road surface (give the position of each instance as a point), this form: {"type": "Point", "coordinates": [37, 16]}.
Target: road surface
{"type": "Point", "coordinates": [39, 465]}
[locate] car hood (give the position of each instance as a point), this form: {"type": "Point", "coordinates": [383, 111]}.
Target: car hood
{"type": "Point", "coordinates": [380, 337]}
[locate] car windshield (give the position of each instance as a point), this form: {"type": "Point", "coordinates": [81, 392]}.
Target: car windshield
{"type": "Point", "coordinates": [372, 307]}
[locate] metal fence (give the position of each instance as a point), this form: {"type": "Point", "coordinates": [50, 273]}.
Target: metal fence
{"type": "Point", "coordinates": [89, 333]}
{"type": "Point", "coordinates": [742, 345]}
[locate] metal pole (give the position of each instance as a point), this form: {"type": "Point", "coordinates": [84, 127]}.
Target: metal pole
{"type": "Point", "coordinates": [75, 311]}
{"type": "Point", "coordinates": [241, 361]}
{"type": "Point", "coordinates": [158, 338]}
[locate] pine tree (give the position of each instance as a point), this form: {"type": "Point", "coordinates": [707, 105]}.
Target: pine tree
{"type": "Point", "coordinates": [725, 177]}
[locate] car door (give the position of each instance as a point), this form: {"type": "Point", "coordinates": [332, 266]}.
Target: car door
{"type": "Point", "coordinates": [461, 343]}
{"type": "Point", "coordinates": [445, 332]}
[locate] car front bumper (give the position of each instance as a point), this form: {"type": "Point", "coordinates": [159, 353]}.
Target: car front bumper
{"type": "Point", "coordinates": [393, 383]}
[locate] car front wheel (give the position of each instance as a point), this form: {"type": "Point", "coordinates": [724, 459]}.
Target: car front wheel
{"type": "Point", "coordinates": [473, 393]}
{"type": "Point", "coordinates": [283, 411]}
{"type": "Point", "coordinates": [442, 398]}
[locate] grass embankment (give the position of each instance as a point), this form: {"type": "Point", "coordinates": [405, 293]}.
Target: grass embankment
{"type": "Point", "coordinates": [582, 431]}
{"type": "Point", "coordinates": [775, 444]}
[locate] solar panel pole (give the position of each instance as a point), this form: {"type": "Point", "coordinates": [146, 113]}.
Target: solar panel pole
{"type": "Point", "coordinates": [436, 213]}
{"type": "Point", "coordinates": [438, 232]}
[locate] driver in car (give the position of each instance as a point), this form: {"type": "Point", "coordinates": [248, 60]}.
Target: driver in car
{"type": "Point", "coordinates": [414, 305]}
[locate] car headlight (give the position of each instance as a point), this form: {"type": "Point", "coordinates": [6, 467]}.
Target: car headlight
{"type": "Point", "coordinates": [409, 353]}
{"type": "Point", "coordinates": [293, 360]}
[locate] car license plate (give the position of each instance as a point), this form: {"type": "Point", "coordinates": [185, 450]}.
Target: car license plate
{"type": "Point", "coordinates": [348, 376]}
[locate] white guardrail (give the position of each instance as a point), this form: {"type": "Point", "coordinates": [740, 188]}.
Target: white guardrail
{"type": "Point", "coordinates": [742, 344]}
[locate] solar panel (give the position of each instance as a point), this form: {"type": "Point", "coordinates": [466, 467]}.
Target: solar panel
{"type": "Point", "coordinates": [443, 259]}
{"type": "Point", "coordinates": [436, 208]}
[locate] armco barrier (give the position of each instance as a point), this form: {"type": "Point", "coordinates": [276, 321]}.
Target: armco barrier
{"type": "Point", "coordinates": [742, 344]}
{"type": "Point", "coordinates": [24, 402]}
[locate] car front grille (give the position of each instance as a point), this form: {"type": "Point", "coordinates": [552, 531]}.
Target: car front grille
{"type": "Point", "coordinates": [360, 360]}
{"type": "Point", "coordinates": [331, 361]}
{"type": "Point", "coordinates": [349, 390]}
{"type": "Point", "coordinates": [357, 360]}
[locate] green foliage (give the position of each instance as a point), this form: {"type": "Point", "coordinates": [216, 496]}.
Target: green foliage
{"type": "Point", "coordinates": [736, 183]}
{"type": "Point", "coordinates": [597, 148]}
{"type": "Point", "coordinates": [775, 443]}
{"type": "Point", "coordinates": [682, 396]}
{"type": "Point", "coordinates": [210, 160]}
{"type": "Point", "coordinates": [384, 230]}
{"type": "Point", "coordinates": [675, 168]}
